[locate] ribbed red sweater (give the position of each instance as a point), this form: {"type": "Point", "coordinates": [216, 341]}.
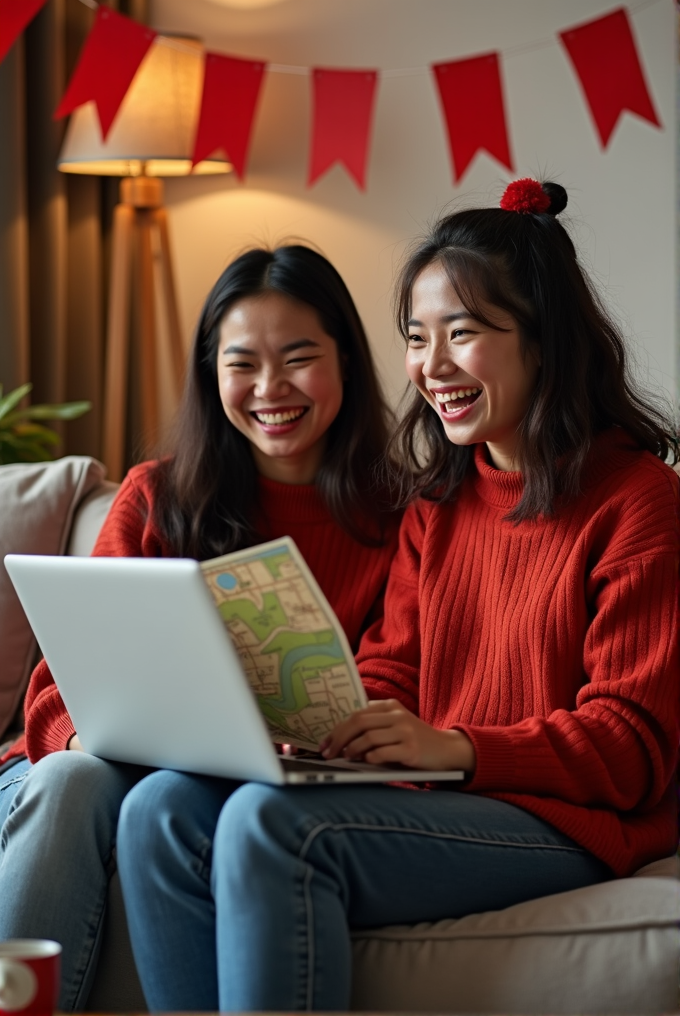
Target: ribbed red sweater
{"type": "Point", "coordinates": [351, 575]}
{"type": "Point", "coordinates": [552, 644]}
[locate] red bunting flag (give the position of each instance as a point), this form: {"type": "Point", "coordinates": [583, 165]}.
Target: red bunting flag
{"type": "Point", "coordinates": [14, 16]}
{"type": "Point", "coordinates": [606, 61]}
{"type": "Point", "coordinates": [343, 103]}
{"type": "Point", "coordinates": [231, 88]}
{"type": "Point", "coordinates": [108, 62]}
{"type": "Point", "coordinates": [471, 95]}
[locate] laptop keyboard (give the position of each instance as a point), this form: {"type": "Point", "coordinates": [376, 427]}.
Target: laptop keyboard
{"type": "Point", "coordinates": [295, 765]}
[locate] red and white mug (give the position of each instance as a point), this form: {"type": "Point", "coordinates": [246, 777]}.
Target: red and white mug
{"type": "Point", "coordinates": [29, 976]}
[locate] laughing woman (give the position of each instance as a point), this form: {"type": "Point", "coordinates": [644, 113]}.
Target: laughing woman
{"type": "Point", "coordinates": [278, 434]}
{"type": "Point", "coordinates": [529, 639]}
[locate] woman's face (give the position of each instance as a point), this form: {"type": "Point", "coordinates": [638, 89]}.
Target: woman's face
{"type": "Point", "coordinates": [474, 376]}
{"type": "Point", "coordinates": [280, 383]}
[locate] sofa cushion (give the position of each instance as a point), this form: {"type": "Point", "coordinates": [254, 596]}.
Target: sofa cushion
{"type": "Point", "coordinates": [37, 504]}
{"type": "Point", "coordinates": [609, 948]}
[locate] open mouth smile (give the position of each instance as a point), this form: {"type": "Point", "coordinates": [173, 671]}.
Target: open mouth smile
{"type": "Point", "coordinates": [454, 403]}
{"type": "Point", "coordinates": [277, 418]}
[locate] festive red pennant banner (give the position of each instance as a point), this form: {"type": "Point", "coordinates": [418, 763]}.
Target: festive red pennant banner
{"type": "Point", "coordinates": [471, 95]}
{"type": "Point", "coordinates": [14, 16]}
{"type": "Point", "coordinates": [603, 53]}
{"type": "Point", "coordinates": [108, 62]}
{"type": "Point", "coordinates": [606, 61]}
{"type": "Point", "coordinates": [231, 88]}
{"type": "Point", "coordinates": [343, 103]}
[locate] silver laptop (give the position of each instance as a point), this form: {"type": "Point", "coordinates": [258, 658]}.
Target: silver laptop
{"type": "Point", "coordinates": [149, 674]}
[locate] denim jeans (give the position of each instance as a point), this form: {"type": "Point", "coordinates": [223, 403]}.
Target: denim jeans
{"type": "Point", "coordinates": [57, 835]}
{"type": "Point", "coordinates": [10, 782]}
{"type": "Point", "coordinates": [242, 897]}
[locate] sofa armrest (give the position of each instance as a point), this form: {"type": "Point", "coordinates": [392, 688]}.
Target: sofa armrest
{"type": "Point", "coordinates": [89, 518]}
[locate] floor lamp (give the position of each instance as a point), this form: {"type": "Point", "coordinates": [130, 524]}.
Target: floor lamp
{"type": "Point", "coordinates": [139, 243]}
{"type": "Point", "coordinates": [151, 137]}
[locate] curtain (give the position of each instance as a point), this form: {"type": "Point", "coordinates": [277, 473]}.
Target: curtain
{"type": "Point", "coordinates": [54, 228]}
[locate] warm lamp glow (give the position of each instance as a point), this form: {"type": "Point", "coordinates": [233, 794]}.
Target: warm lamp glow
{"type": "Point", "coordinates": [247, 5]}
{"type": "Point", "coordinates": [150, 167]}
{"type": "Point", "coordinates": [153, 133]}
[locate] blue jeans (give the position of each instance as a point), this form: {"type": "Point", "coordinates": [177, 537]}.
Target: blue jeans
{"type": "Point", "coordinates": [242, 897]}
{"type": "Point", "coordinates": [10, 782]}
{"type": "Point", "coordinates": [57, 835]}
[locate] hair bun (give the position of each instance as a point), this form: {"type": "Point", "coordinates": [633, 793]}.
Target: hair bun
{"type": "Point", "coordinates": [529, 197]}
{"type": "Point", "coordinates": [558, 197]}
{"type": "Point", "coordinates": [525, 196]}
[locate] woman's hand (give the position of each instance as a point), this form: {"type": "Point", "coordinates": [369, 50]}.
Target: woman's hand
{"type": "Point", "coordinates": [385, 731]}
{"type": "Point", "coordinates": [74, 743]}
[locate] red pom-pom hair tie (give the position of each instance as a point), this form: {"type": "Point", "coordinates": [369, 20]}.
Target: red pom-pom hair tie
{"type": "Point", "coordinates": [525, 196]}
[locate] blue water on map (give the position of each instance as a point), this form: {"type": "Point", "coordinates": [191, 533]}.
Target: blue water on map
{"type": "Point", "coordinates": [226, 581]}
{"type": "Point", "coordinates": [287, 701]}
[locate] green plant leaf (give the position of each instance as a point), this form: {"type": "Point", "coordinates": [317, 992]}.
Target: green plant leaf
{"type": "Point", "coordinates": [11, 439]}
{"type": "Point", "coordinates": [34, 453]}
{"type": "Point", "coordinates": [65, 411]}
{"type": "Point", "coordinates": [13, 449]}
{"type": "Point", "coordinates": [21, 439]}
{"type": "Point", "coordinates": [36, 432]}
{"type": "Point", "coordinates": [29, 433]}
{"type": "Point", "coordinates": [12, 399]}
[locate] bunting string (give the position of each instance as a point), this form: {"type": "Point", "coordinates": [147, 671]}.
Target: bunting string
{"type": "Point", "coordinates": [602, 53]}
{"type": "Point", "coordinates": [396, 72]}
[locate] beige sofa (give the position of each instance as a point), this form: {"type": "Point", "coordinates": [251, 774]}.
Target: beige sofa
{"type": "Point", "coordinates": [613, 948]}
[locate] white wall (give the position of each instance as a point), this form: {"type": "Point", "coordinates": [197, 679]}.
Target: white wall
{"type": "Point", "coordinates": [621, 201]}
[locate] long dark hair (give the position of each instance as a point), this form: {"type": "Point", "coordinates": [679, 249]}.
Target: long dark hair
{"type": "Point", "coordinates": [527, 265]}
{"type": "Point", "coordinates": [207, 487]}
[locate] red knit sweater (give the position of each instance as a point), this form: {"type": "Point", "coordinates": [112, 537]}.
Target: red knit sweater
{"type": "Point", "coordinates": [552, 644]}
{"type": "Point", "coordinates": [351, 575]}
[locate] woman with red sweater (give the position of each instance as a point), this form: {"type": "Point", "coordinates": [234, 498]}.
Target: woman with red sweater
{"type": "Point", "coordinates": [529, 638]}
{"type": "Point", "coordinates": [280, 428]}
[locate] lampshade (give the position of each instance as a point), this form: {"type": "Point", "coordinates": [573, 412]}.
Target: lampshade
{"type": "Point", "coordinates": [153, 133]}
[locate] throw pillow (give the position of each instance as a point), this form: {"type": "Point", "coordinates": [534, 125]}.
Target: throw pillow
{"type": "Point", "coordinates": [37, 503]}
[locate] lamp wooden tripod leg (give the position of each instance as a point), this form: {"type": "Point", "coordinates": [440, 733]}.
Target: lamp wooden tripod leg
{"type": "Point", "coordinates": [138, 220]}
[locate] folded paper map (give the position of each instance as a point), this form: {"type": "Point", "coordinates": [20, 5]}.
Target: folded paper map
{"type": "Point", "coordinates": [292, 646]}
